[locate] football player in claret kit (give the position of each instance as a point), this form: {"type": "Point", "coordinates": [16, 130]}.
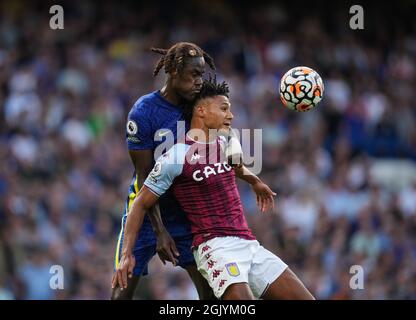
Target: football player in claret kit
{"type": "Point", "coordinates": [227, 254]}
{"type": "Point", "coordinates": [152, 119]}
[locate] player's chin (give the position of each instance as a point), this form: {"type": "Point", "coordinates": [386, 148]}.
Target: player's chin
{"type": "Point", "coordinates": [224, 129]}
{"type": "Point", "coordinates": [191, 96]}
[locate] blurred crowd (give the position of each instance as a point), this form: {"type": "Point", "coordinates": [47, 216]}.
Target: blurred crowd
{"type": "Point", "coordinates": [344, 172]}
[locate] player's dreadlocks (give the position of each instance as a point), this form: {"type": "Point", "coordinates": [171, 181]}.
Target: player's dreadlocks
{"type": "Point", "coordinates": [175, 57]}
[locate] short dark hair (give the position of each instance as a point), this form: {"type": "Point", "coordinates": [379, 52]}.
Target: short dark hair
{"type": "Point", "coordinates": [175, 56]}
{"type": "Point", "coordinates": [211, 88]}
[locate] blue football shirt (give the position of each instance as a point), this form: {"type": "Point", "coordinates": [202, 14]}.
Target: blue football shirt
{"type": "Point", "coordinates": [152, 124]}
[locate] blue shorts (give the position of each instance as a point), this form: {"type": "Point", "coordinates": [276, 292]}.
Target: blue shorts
{"type": "Point", "coordinates": [143, 253]}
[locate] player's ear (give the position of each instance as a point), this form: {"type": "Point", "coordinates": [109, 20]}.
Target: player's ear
{"type": "Point", "coordinates": [199, 109]}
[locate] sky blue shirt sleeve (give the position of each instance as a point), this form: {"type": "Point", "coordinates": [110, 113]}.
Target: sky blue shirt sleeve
{"type": "Point", "coordinates": [139, 134]}
{"type": "Point", "coordinates": [166, 169]}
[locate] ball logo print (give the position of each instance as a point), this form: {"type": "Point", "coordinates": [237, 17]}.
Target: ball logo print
{"type": "Point", "coordinates": [301, 89]}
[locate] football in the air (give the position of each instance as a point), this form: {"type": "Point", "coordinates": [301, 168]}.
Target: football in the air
{"type": "Point", "coordinates": [301, 89]}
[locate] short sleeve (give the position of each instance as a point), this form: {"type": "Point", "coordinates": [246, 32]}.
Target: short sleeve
{"type": "Point", "coordinates": [139, 135]}
{"type": "Point", "coordinates": [166, 169]}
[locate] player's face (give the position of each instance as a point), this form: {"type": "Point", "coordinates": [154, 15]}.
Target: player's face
{"type": "Point", "coordinates": [218, 114]}
{"type": "Point", "coordinates": [188, 83]}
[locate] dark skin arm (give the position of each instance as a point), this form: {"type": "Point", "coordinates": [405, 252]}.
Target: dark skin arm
{"type": "Point", "coordinates": [144, 201]}
{"type": "Point", "coordinates": [264, 195]}
{"type": "Point", "coordinates": [166, 248]}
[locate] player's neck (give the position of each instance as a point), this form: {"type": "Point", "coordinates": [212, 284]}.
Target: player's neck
{"type": "Point", "coordinates": [200, 132]}
{"type": "Point", "coordinates": [169, 95]}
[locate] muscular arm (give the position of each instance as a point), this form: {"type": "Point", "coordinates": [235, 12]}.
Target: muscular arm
{"type": "Point", "coordinates": [165, 246]}
{"type": "Point", "coordinates": [244, 174]}
{"type": "Point", "coordinates": [234, 154]}
{"type": "Point", "coordinates": [264, 195]}
{"type": "Point", "coordinates": [144, 201]}
{"type": "Point", "coordinates": [143, 163]}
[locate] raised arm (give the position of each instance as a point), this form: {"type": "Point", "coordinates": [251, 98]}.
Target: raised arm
{"type": "Point", "coordinates": [244, 174]}
{"type": "Point", "coordinates": [234, 154]}
{"type": "Point", "coordinates": [264, 195]}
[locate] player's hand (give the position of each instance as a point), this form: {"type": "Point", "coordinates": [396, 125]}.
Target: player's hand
{"type": "Point", "coordinates": [166, 248]}
{"type": "Point", "coordinates": [124, 270]}
{"type": "Point", "coordinates": [264, 196]}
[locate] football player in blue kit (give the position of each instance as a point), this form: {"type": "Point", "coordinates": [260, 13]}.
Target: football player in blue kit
{"type": "Point", "coordinates": [153, 119]}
